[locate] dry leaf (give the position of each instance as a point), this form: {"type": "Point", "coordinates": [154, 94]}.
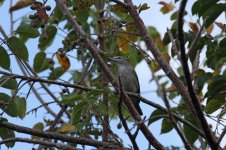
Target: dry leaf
{"type": "Point", "coordinates": [221, 25]}
{"type": "Point", "coordinates": [210, 29]}
{"type": "Point", "coordinates": [193, 27]}
{"type": "Point", "coordinates": [83, 4]}
{"type": "Point", "coordinates": [132, 28]}
{"type": "Point", "coordinates": [123, 42]}
{"type": "Point", "coordinates": [159, 42]}
{"type": "Point", "coordinates": [144, 7]}
{"type": "Point", "coordinates": [21, 4]}
{"type": "Point", "coordinates": [119, 8]}
{"type": "Point", "coordinates": [167, 7]}
{"type": "Point", "coordinates": [63, 61]}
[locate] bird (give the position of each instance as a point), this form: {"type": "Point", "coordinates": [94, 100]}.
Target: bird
{"type": "Point", "coordinates": [129, 80]}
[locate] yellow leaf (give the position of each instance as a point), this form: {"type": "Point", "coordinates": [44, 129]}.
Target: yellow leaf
{"type": "Point", "coordinates": [83, 4]}
{"type": "Point", "coordinates": [66, 128]}
{"type": "Point", "coordinates": [119, 8]}
{"type": "Point", "coordinates": [167, 7]}
{"type": "Point", "coordinates": [21, 4]}
{"type": "Point", "coordinates": [193, 27]}
{"type": "Point", "coordinates": [123, 42]}
{"type": "Point", "coordinates": [154, 66]}
{"type": "Point", "coordinates": [171, 89]}
{"type": "Point", "coordinates": [166, 56]}
{"type": "Point", "coordinates": [159, 43]}
{"type": "Point", "coordinates": [64, 61]}
{"type": "Point", "coordinates": [144, 7]}
{"type": "Point", "coordinates": [132, 28]}
{"type": "Point", "coordinates": [210, 29]}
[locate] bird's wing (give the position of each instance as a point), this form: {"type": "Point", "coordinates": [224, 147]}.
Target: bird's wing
{"type": "Point", "coordinates": [134, 72]}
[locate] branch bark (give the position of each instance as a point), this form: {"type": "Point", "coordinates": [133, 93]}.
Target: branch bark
{"type": "Point", "coordinates": [93, 50]}
{"type": "Point", "coordinates": [195, 101]}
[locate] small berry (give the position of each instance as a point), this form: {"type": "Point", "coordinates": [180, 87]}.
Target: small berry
{"type": "Point", "coordinates": [48, 8]}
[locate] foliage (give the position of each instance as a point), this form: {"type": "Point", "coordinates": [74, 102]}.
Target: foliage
{"type": "Point", "coordinates": [119, 35]}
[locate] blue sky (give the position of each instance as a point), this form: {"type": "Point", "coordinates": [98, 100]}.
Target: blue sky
{"type": "Point", "coordinates": [150, 17]}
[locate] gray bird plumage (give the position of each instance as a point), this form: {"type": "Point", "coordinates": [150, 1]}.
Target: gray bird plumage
{"type": "Point", "coordinates": [129, 80]}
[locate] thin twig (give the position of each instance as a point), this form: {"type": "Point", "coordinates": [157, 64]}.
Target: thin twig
{"type": "Point", "coordinates": [196, 38]}
{"type": "Point", "coordinates": [198, 110]}
{"type": "Point", "coordinates": [35, 79]}
{"type": "Point", "coordinates": [171, 117]}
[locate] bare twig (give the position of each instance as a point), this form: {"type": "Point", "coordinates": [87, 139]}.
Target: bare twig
{"type": "Point", "coordinates": [222, 136]}
{"type": "Point", "coordinates": [196, 37]}
{"type": "Point", "coordinates": [171, 117]}
{"type": "Point", "coordinates": [202, 120]}
{"type": "Point", "coordinates": [35, 141]}
{"type": "Point", "coordinates": [36, 79]}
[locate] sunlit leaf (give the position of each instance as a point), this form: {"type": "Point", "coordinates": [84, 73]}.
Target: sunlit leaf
{"type": "Point", "coordinates": [37, 126]}
{"type": "Point", "coordinates": [21, 106]}
{"type": "Point", "coordinates": [167, 7]}
{"type": "Point", "coordinates": [4, 59]}
{"type": "Point", "coordinates": [143, 7]}
{"type": "Point", "coordinates": [66, 128]}
{"type": "Point", "coordinates": [63, 61]}
{"type": "Point", "coordinates": [194, 27]}
{"type": "Point", "coordinates": [123, 42]}
{"type": "Point", "coordinates": [210, 29]}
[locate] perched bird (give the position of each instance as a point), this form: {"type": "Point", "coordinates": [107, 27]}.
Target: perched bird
{"type": "Point", "coordinates": [129, 80]}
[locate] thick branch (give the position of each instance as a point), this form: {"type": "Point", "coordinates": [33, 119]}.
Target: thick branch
{"type": "Point", "coordinates": [57, 136]}
{"type": "Point", "coordinates": [202, 120]}
{"type": "Point", "coordinates": [34, 141]}
{"type": "Point", "coordinates": [158, 56]}
{"type": "Point", "coordinates": [109, 75]}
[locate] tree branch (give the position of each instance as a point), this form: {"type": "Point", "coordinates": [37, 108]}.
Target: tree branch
{"type": "Point", "coordinates": [58, 136]}
{"type": "Point", "coordinates": [158, 56]}
{"type": "Point", "coordinates": [35, 141]}
{"type": "Point", "coordinates": [36, 79]}
{"type": "Point", "coordinates": [93, 50]}
{"type": "Point", "coordinates": [198, 110]}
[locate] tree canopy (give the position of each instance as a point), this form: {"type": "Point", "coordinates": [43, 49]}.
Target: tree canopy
{"type": "Point", "coordinates": [80, 91]}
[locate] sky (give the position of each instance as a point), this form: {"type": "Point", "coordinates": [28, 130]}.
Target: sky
{"type": "Point", "coordinates": [151, 17]}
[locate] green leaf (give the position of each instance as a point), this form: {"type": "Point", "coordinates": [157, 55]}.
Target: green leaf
{"type": "Point", "coordinates": [213, 13]}
{"type": "Point", "coordinates": [56, 73]}
{"type": "Point", "coordinates": [21, 106]}
{"type": "Point", "coordinates": [66, 99]}
{"type": "Point", "coordinates": [167, 126]}
{"type": "Point", "coordinates": [41, 63]}
{"type": "Point", "coordinates": [56, 15]}
{"type": "Point", "coordinates": [18, 47]}
{"type": "Point", "coordinates": [214, 105]}
{"type": "Point", "coordinates": [8, 82]}
{"type": "Point", "coordinates": [156, 115]}
{"type": "Point", "coordinates": [51, 33]}
{"type": "Point", "coordinates": [6, 134]}
{"type": "Point", "coordinates": [190, 134]}
{"type": "Point", "coordinates": [26, 30]}
{"type": "Point", "coordinates": [77, 112]}
{"type": "Point", "coordinates": [10, 106]}
{"type": "Point", "coordinates": [37, 126]}
{"type": "Point", "coordinates": [4, 59]}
